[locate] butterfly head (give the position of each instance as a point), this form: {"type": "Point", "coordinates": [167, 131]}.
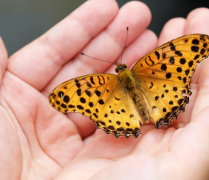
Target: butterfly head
{"type": "Point", "coordinates": [120, 67]}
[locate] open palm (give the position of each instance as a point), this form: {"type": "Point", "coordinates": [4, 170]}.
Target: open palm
{"type": "Point", "coordinates": [37, 142]}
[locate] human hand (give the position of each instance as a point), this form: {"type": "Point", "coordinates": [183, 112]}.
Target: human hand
{"type": "Point", "coordinates": [37, 142]}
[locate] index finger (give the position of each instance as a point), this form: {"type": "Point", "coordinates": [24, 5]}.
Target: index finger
{"type": "Point", "coordinates": [46, 55]}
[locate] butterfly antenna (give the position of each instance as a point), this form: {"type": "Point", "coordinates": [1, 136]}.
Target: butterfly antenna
{"type": "Point", "coordinates": [124, 44]}
{"type": "Point", "coordinates": [97, 58]}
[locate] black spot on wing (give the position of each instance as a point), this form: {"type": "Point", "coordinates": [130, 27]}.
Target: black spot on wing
{"type": "Point", "coordinates": [95, 115]}
{"type": "Point", "coordinates": [66, 99]}
{"type": "Point", "coordinates": [100, 78]}
{"type": "Point", "coordinates": [151, 60]}
{"type": "Point", "coordinates": [92, 80]}
{"type": "Point", "coordinates": [157, 54]}
{"type": "Point", "coordinates": [163, 67]}
{"type": "Point", "coordinates": [91, 104]}
{"type": "Point", "coordinates": [131, 115]}
{"type": "Point", "coordinates": [118, 99]}
{"type": "Point", "coordinates": [205, 45]}
{"type": "Point", "coordinates": [178, 53]}
{"type": "Point", "coordinates": [190, 64]}
{"type": "Point", "coordinates": [168, 75]}
{"type": "Point", "coordinates": [101, 102]}
{"type": "Point", "coordinates": [80, 107]}
{"type": "Point", "coordinates": [174, 88]}
{"type": "Point", "coordinates": [151, 85]}
{"type": "Point", "coordinates": [196, 57]}
{"type": "Point", "coordinates": [195, 41]}
{"type": "Point", "coordinates": [111, 127]}
{"type": "Point", "coordinates": [78, 85]}
{"type": "Point", "coordinates": [195, 48]}
{"type": "Point", "coordinates": [88, 111]}
{"type": "Point", "coordinates": [171, 102]}
{"type": "Point", "coordinates": [88, 93]}
{"type": "Point", "coordinates": [202, 51]}
{"type": "Point", "coordinates": [187, 71]}
{"type": "Point", "coordinates": [60, 94]}
{"type": "Point", "coordinates": [98, 93]}
{"type": "Point", "coordinates": [172, 60]}
{"type": "Point", "coordinates": [172, 47]}
{"type": "Point", "coordinates": [118, 122]}
{"type": "Point", "coordinates": [179, 69]}
{"type": "Point", "coordinates": [88, 84]}
{"type": "Point", "coordinates": [82, 100]}
{"type": "Point", "coordinates": [79, 92]}
{"type": "Point", "coordinates": [156, 98]}
{"type": "Point", "coordinates": [182, 61]}
{"type": "Point", "coordinates": [164, 55]}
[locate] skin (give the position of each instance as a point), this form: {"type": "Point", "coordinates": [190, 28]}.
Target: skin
{"type": "Point", "coordinates": [37, 142]}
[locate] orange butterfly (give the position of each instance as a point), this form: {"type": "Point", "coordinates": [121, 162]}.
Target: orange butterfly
{"type": "Point", "coordinates": [156, 88]}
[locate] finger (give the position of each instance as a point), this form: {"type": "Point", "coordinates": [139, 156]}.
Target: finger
{"type": "Point", "coordinates": [201, 102]}
{"type": "Point", "coordinates": [172, 29]}
{"type": "Point", "coordinates": [3, 59]}
{"type": "Point", "coordinates": [197, 23]}
{"type": "Point", "coordinates": [45, 56]}
{"type": "Point", "coordinates": [108, 45]}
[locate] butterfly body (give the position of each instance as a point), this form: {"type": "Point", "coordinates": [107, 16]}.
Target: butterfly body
{"type": "Point", "coordinates": [132, 86]}
{"type": "Point", "coordinates": [157, 88]}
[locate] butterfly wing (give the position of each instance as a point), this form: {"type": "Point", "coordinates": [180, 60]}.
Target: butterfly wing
{"type": "Point", "coordinates": [164, 75]}
{"type": "Point", "coordinates": [103, 99]}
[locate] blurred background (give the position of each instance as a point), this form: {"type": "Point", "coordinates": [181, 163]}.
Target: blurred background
{"type": "Point", "coordinates": [21, 21]}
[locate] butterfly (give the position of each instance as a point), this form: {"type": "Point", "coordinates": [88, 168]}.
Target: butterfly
{"type": "Point", "coordinates": [156, 89]}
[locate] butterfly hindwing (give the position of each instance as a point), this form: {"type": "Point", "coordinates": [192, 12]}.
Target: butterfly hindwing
{"type": "Point", "coordinates": [164, 75]}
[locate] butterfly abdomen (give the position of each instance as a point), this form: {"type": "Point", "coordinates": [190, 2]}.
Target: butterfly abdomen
{"type": "Point", "coordinates": [139, 105]}
{"type": "Point", "coordinates": [129, 82]}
